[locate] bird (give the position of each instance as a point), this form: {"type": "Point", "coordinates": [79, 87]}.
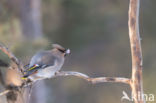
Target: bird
{"type": "Point", "coordinates": [45, 64]}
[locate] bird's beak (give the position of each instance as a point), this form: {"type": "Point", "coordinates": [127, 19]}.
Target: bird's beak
{"type": "Point", "coordinates": [67, 52]}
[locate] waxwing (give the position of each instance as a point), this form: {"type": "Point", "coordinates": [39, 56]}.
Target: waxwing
{"type": "Point", "coordinates": [45, 64]}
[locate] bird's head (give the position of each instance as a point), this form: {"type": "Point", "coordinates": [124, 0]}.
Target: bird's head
{"type": "Point", "coordinates": [61, 49]}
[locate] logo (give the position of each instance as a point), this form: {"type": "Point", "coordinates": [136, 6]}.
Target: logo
{"type": "Point", "coordinates": [146, 97]}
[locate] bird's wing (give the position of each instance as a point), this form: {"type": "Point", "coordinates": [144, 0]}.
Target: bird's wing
{"type": "Point", "coordinates": [33, 70]}
{"type": "Point", "coordinates": [30, 71]}
{"type": "Point", "coordinates": [39, 61]}
{"type": "Point", "coordinates": [43, 58]}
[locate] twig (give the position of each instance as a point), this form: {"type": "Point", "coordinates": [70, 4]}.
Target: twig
{"type": "Point", "coordinates": [4, 92]}
{"type": "Point", "coordinates": [93, 80]}
{"type": "Point", "coordinates": [136, 83]}
{"type": "Point", "coordinates": [17, 65]}
{"type": "Point", "coordinates": [12, 57]}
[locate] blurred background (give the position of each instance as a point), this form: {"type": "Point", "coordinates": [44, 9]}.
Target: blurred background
{"type": "Point", "coordinates": [96, 31]}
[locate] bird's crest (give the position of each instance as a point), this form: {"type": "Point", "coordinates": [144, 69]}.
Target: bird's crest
{"type": "Point", "coordinates": [59, 47]}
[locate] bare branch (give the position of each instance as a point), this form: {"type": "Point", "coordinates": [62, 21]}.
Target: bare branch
{"type": "Point", "coordinates": [12, 57]}
{"type": "Point", "coordinates": [4, 92]}
{"type": "Point", "coordinates": [13, 95]}
{"type": "Point", "coordinates": [110, 79]}
{"type": "Point", "coordinates": [136, 83]}
{"type": "Point", "coordinates": [85, 77]}
{"type": "Point", "coordinates": [93, 80]}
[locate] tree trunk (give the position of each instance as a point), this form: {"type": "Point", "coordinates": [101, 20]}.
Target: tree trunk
{"type": "Point", "coordinates": [30, 18]}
